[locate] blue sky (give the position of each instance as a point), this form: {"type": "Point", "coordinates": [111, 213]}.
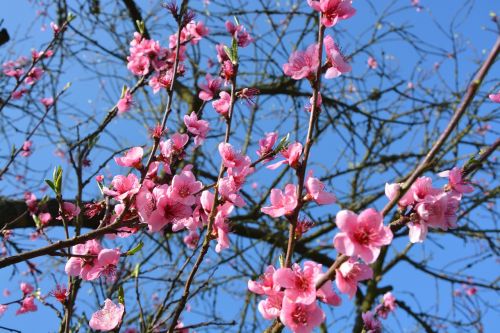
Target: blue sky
{"type": "Point", "coordinates": [91, 93]}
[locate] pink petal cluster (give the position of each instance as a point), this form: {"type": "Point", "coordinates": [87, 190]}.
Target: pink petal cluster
{"type": "Point", "coordinates": [387, 306]}
{"type": "Point", "coordinates": [456, 181]}
{"type": "Point", "coordinates": [222, 104]}
{"type": "Point", "coordinates": [266, 145]}
{"type": "Point", "coordinates": [125, 102]}
{"type": "Point", "coordinates": [91, 261]}
{"type": "Point", "coordinates": [122, 187]}
{"type": "Point", "coordinates": [316, 191]}
{"type": "Point", "coordinates": [108, 318]}
{"type": "Point", "coordinates": [27, 305]}
{"type": "Point", "coordinates": [282, 203]}
{"type": "Point", "coordinates": [292, 295]}
{"type": "Point", "coordinates": [132, 158]}
{"type": "Point", "coordinates": [239, 33]}
{"type": "Point", "coordinates": [69, 211]}
{"type": "Point", "coordinates": [303, 64]}
{"type": "Point", "coordinates": [197, 127]}
{"type": "Point", "coordinates": [361, 236]}
{"type": "Point", "coordinates": [333, 10]}
{"type": "Point", "coordinates": [337, 65]}
{"type": "Point", "coordinates": [372, 62]}
{"type": "Point", "coordinates": [209, 89]}
{"type": "Point", "coordinates": [26, 288]}
{"type": "Point", "coordinates": [349, 274]}
{"type": "Point", "coordinates": [26, 148]}
{"type": "Point", "coordinates": [291, 154]}
{"type": "Point", "coordinates": [34, 75]}
{"type": "Point", "coordinates": [495, 97]}
{"type": "Point", "coordinates": [371, 323]}
{"type": "Point", "coordinates": [47, 101]}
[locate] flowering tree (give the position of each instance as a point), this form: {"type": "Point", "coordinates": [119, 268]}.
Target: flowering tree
{"type": "Point", "coordinates": [249, 175]}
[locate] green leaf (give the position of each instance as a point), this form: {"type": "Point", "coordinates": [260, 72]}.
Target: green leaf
{"type": "Point", "coordinates": [137, 270]}
{"type": "Point", "coordinates": [51, 184]}
{"type": "Point", "coordinates": [121, 295]}
{"type": "Point", "coordinates": [228, 52]}
{"type": "Point", "coordinates": [135, 249]}
{"type": "Point", "coordinates": [140, 26]}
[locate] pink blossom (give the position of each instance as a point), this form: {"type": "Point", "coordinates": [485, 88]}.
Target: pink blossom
{"type": "Point", "coordinates": [372, 324]}
{"type": "Point", "coordinates": [337, 65]}
{"type": "Point", "coordinates": [349, 274]}
{"type": "Point", "coordinates": [34, 75]}
{"type": "Point", "coordinates": [108, 260]}
{"type": "Point", "coordinates": [316, 191]}
{"type": "Point", "coordinates": [228, 188]}
{"type": "Point", "coordinates": [239, 33]}
{"type": "Point", "coordinates": [26, 288]}
{"type": "Point", "coordinates": [326, 294]}
{"type": "Point", "coordinates": [161, 80]}
{"type": "Point", "coordinates": [60, 293]}
{"type": "Point", "coordinates": [333, 10]}
{"type": "Point", "coordinates": [418, 191]}
{"type": "Point", "coordinates": [439, 211]}
{"type": "Point", "coordinates": [27, 305]}
{"type": "Point", "coordinates": [392, 190]}
{"type": "Point", "coordinates": [282, 203]}
{"type": "Point", "coordinates": [456, 181]}
{"type": "Point", "coordinates": [47, 101]}
{"type": "Point", "coordinates": [198, 127]}
{"type": "Point", "coordinates": [291, 154]}
{"type": "Point", "coordinates": [132, 158]}
{"type": "Point", "coordinates": [44, 218]}
{"type": "Point", "coordinates": [417, 231]}
{"type": "Point", "coordinates": [196, 31]}
{"type": "Point", "coordinates": [55, 28]}
{"type": "Point", "coordinates": [125, 102]}
{"type": "Point", "coordinates": [192, 239]}
{"type": "Point", "coordinates": [270, 308]}
{"type": "Point", "coordinates": [70, 211]}
{"type": "Point", "coordinates": [36, 55]}
{"type": "Point", "coordinates": [227, 71]}
{"type": "Point", "coordinates": [300, 284]}
{"type": "Point", "coordinates": [301, 318]}
{"type": "Point", "coordinates": [209, 89]}
{"type": "Point", "coordinates": [495, 97]}
{"type": "Point", "coordinates": [221, 53]}
{"type": "Point", "coordinates": [86, 267]}
{"type": "Point", "coordinates": [31, 202]}
{"type": "Point", "coordinates": [184, 187]}
{"type": "Point", "coordinates": [222, 104]}
{"type": "Point", "coordinates": [265, 285]}
{"type": "Point", "coordinates": [303, 64]}
{"type": "Point", "coordinates": [108, 318]}
{"type": "Point", "coordinates": [26, 148]}
{"type": "Point", "coordinates": [221, 232]}
{"type": "Point", "coordinates": [231, 158]}
{"type": "Point", "coordinates": [123, 187]}
{"type": "Point", "coordinates": [166, 209]}
{"type": "Point", "coordinates": [319, 101]}
{"type": "Point", "coordinates": [361, 235]}
{"type": "Point", "coordinates": [388, 305]}
{"type": "Point", "coordinates": [174, 146]}
{"type": "Point", "coordinates": [266, 144]}
{"type": "Point", "coordinates": [19, 93]}
{"type": "Point", "coordinates": [372, 63]}
{"type": "Point", "coordinates": [3, 308]}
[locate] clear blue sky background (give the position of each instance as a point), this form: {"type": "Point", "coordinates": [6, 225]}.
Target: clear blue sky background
{"type": "Point", "coordinates": [86, 93]}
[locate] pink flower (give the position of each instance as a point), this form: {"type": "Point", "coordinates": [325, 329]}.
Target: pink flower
{"type": "Point", "coordinates": [70, 211]}
{"type": "Point", "coordinates": [174, 146]}
{"type": "Point", "coordinates": [183, 188]}
{"type": "Point", "coordinates": [3, 308]}
{"type": "Point", "coordinates": [163, 209]}
{"type": "Point", "coordinates": [300, 284]}
{"type": "Point", "coordinates": [301, 318]}
{"type": "Point", "coordinates": [439, 211]}
{"type": "Point", "coordinates": [303, 64]}
{"type": "Point", "coordinates": [418, 191]}
{"type": "Point", "coordinates": [270, 308]}
{"type": "Point", "coordinates": [316, 191]}
{"type": "Point", "coordinates": [282, 203]}
{"type": "Point", "coordinates": [239, 33]}
{"type": "Point", "coordinates": [55, 28]}
{"type": "Point", "coordinates": [456, 182]}
{"type": "Point", "coordinates": [191, 239]}
{"type": "Point", "coordinates": [60, 293]}
{"type": "Point", "coordinates": [392, 190]}
{"type": "Point", "coordinates": [372, 63]}
{"type": "Point", "coordinates": [108, 318]}
{"type": "Point", "coordinates": [34, 75]}
{"type": "Point", "coordinates": [196, 31]}
{"type": "Point", "coordinates": [266, 144]}
{"type": "Point", "coordinates": [349, 274]}
{"type": "Point", "coordinates": [209, 89]}
{"type": "Point", "coordinates": [417, 231]}
{"type": "Point", "coordinates": [332, 10]}
{"type": "Point", "coordinates": [132, 158]}
{"type": "Point", "coordinates": [372, 324]}
{"type": "Point", "coordinates": [495, 97]}
{"type": "Point", "coordinates": [123, 187]}
{"type": "Point", "coordinates": [222, 104]}
{"type": "Point", "coordinates": [335, 60]}
{"type": "Point", "coordinates": [26, 149]}
{"type": "Point", "coordinates": [319, 101]}
{"type": "Point", "coordinates": [388, 305]}
{"type": "Point", "coordinates": [265, 285]}
{"type": "Point", "coordinates": [361, 235]}
{"type": "Point", "coordinates": [291, 154]}
{"type": "Point", "coordinates": [108, 260]}
{"type": "Point", "coordinates": [19, 93]}
{"type": "Point", "coordinates": [47, 101]}
{"type": "Point", "coordinates": [231, 158]}
{"type": "Point", "coordinates": [27, 305]}
{"type": "Point", "coordinates": [26, 288]}
{"type": "Point", "coordinates": [161, 80]}
{"type": "Point", "coordinates": [125, 102]}
{"type": "Point", "coordinates": [86, 267]}
{"type": "Point", "coordinates": [199, 128]}
{"type": "Point", "coordinates": [326, 294]}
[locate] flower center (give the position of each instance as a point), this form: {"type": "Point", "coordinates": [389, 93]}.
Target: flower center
{"type": "Point", "coordinates": [299, 316]}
